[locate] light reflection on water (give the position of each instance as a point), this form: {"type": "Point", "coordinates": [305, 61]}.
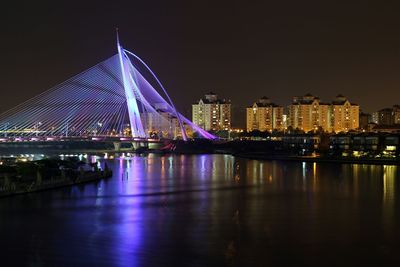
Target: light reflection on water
{"type": "Point", "coordinates": [210, 210]}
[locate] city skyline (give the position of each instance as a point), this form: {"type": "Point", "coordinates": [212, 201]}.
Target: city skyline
{"type": "Point", "coordinates": [257, 48]}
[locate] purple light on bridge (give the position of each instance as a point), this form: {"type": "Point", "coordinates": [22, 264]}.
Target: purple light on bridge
{"type": "Point", "coordinates": [119, 93]}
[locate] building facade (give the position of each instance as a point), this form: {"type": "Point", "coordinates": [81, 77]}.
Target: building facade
{"type": "Point", "coordinates": [344, 115]}
{"type": "Point", "coordinates": [388, 116]}
{"type": "Point", "coordinates": [264, 116]}
{"type": "Point", "coordinates": [212, 113]}
{"type": "Point", "coordinates": [385, 116]}
{"type": "Point", "coordinates": [308, 113]}
{"type": "Point", "coordinates": [396, 114]}
{"type": "Point", "coordinates": [163, 124]}
{"type": "Point", "coordinates": [364, 121]}
{"type": "Point", "coordinates": [375, 117]}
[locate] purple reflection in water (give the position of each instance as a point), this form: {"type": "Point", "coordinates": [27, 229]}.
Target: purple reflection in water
{"type": "Point", "coordinates": [210, 210]}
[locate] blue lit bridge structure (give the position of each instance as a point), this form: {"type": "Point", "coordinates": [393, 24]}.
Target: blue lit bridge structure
{"type": "Point", "coordinates": [118, 98]}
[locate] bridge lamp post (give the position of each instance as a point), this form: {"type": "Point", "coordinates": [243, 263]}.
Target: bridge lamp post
{"type": "Point", "coordinates": [5, 129]}
{"type": "Point", "coordinates": [37, 127]}
{"type": "Point", "coordinates": [99, 124]}
{"type": "Point", "coordinates": [66, 129]}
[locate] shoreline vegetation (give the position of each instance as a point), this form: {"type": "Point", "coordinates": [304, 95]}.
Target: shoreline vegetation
{"type": "Point", "coordinates": [46, 174]}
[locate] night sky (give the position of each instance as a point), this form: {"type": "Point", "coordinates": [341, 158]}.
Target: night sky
{"type": "Point", "coordinates": [241, 50]}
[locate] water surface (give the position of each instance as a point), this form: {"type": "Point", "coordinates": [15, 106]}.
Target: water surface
{"type": "Point", "coordinates": [210, 210]}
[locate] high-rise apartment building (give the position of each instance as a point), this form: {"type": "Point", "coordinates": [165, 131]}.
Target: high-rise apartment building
{"type": "Point", "coordinates": [264, 116]}
{"type": "Point", "coordinates": [344, 115]}
{"type": "Point", "coordinates": [375, 117]}
{"type": "Point", "coordinates": [396, 114]}
{"type": "Point", "coordinates": [385, 116]}
{"type": "Point", "coordinates": [162, 123]}
{"type": "Point", "coordinates": [308, 113]}
{"type": "Point", "coordinates": [212, 113]}
{"type": "Point", "coordinates": [364, 120]}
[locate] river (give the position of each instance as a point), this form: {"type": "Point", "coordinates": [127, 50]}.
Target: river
{"type": "Point", "coordinates": [210, 210]}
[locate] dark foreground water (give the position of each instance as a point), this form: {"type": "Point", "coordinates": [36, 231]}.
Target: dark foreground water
{"type": "Point", "coordinates": [210, 210]}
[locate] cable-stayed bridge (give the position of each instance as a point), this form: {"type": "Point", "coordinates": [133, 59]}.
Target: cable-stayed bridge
{"type": "Point", "coordinates": [120, 97]}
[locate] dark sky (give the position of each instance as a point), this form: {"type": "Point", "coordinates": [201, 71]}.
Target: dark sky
{"type": "Point", "coordinates": [240, 49]}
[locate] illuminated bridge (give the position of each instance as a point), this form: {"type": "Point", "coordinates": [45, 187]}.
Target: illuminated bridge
{"type": "Point", "coordinates": [116, 99]}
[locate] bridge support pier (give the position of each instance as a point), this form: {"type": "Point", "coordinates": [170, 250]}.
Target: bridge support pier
{"type": "Point", "coordinates": [117, 146]}
{"type": "Point", "coordinates": [137, 145]}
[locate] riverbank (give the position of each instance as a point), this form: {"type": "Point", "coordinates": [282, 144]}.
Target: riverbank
{"type": "Point", "coordinates": [320, 159]}
{"type": "Point", "coordinates": [54, 184]}
{"type": "Point", "coordinates": [268, 150]}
